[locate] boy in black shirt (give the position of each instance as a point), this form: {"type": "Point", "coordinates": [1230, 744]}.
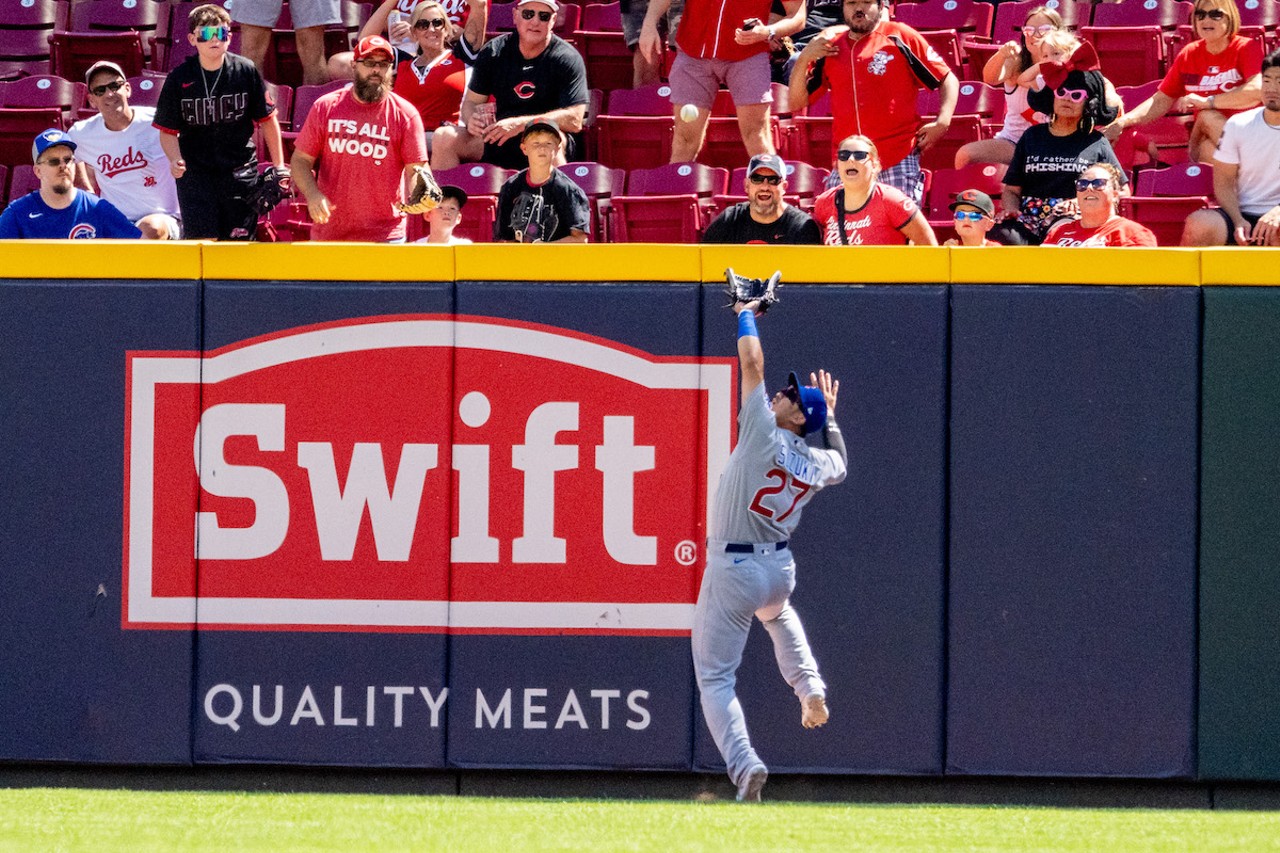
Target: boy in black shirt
{"type": "Point", "coordinates": [765, 217]}
{"type": "Point", "coordinates": [206, 116]}
{"type": "Point", "coordinates": [540, 204]}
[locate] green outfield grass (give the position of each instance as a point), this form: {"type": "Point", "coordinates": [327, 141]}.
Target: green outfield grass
{"type": "Point", "coordinates": [74, 819]}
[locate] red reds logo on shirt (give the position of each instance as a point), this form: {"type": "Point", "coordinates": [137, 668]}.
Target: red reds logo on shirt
{"type": "Point", "coordinates": [525, 90]}
{"type": "Point", "coordinates": [421, 473]}
{"type": "Point", "coordinates": [129, 161]}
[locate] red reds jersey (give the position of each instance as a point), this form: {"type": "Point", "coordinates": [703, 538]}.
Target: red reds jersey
{"type": "Point", "coordinates": [874, 82]}
{"type": "Point", "coordinates": [1116, 231]}
{"type": "Point", "coordinates": [877, 223]}
{"type": "Point", "coordinates": [1196, 71]}
{"type": "Point", "coordinates": [435, 91]}
{"type": "Point", "coordinates": [706, 28]}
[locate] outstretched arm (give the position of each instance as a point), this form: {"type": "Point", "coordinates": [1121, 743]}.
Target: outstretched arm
{"type": "Point", "coordinates": [831, 435]}
{"type": "Point", "coordinates": [750, 353]}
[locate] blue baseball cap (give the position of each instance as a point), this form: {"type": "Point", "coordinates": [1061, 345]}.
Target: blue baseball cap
{"type": "Point", "coordinates": [47, 140]}
{"type": "Point", "coordinates": [812, 403]}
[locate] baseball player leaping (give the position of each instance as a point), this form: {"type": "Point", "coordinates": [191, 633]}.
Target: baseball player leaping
{"type": "Point", "coordinates": [772, 473]}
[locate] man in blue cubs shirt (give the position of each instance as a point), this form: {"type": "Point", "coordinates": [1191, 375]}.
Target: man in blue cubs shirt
{"type": "Point", "coordinates": [58, 210]}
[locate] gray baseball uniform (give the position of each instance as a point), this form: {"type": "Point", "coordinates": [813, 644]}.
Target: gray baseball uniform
{"type": "Point", "coordinates": [771, 475]}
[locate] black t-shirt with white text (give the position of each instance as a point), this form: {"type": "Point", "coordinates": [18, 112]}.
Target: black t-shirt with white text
{"type": "Point", "coordinates": [214, 112]}
{"type": "Point", "coordinates": [735, 225]}
{"type": "Point", "coordinates": [1046, 166]}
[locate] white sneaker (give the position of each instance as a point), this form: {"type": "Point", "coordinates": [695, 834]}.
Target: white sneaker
{"type": "Point", "coordinates": [813, 710]}
{"type": "Point", "coordinates": [753, 784]}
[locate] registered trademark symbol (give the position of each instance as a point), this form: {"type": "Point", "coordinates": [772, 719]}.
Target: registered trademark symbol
{"type": "Point", "coordinates": [686, 553]}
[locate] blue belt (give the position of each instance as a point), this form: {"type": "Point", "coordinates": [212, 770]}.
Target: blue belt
{"type": "Point", "coordinates": [748, 548]}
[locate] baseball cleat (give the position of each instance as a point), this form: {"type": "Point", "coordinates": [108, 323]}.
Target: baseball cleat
{"type": "Point", "coordinates": [752, 785]}
{"type": "Point", "coordinates": [813, 711]}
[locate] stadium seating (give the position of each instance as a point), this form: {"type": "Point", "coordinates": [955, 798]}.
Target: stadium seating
{"type": "Point", "coordinates": [45, 91]}
{"type": "Point", "coordinates": [629, 142]}
{"type": "Point", "coordinates": [25, 28]}
{"type": "Point", "coordinates": [1164, 215]}
{"type": "Point", "coordinates": [145, 89]}
{"type": "Point", "coordinates": [1184, 179]}
{"type": "Point", "coordinates": [1129, 56]}
{"type": "Point", "coordinates": [600, 183]}
{"type": "Point", "coordinates": [960, 16]}
{"type": "Point", "coordinates": [1165, 14]}
{"type": "Point", "coordinates": [22, 179]}
{"type": "Point", "coordinates": [946, 184]}
{"type": "Point", "coordinates": [942, 155]}
{"type": "Point", "coordinates": [666, 204]}
{"type": "Point", "coordinates": [20, 125]}
{"type": "Point", "coordinates": [481, 182]}
{"type": "Point", "coordinates": [72, 53]}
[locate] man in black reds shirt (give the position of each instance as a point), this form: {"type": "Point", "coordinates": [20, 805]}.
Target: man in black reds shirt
{"type": "Point", "coordinates": [531, 73]}
{"type": "Point", "coordinates": [765, 217]}
{"type": "Point", "coordinates": [206, 116]}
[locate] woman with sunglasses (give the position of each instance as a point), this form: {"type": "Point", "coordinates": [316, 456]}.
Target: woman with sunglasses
{"type": "Point", "coordinates": [861, 211]}
{"type": "Point", "coordinates": [435, 79]}
{"type": "Point", "coordinates": [1215, 76]}
{"type": "Point", "coordinates": [1039, 187]}
{"type": "Point", "coordinates": [1003, 69]}
{"type": "Point", "coordinates": [1097, 196]}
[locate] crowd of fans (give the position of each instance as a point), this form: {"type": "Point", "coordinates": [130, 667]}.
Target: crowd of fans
{"type": "Point", "coordinates": [429, 85]}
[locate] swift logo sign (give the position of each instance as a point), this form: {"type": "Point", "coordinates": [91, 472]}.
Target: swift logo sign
{"type": "Point", "coordinates": [420, 473]}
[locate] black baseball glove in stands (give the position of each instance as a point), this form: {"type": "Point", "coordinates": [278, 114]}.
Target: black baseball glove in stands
{"type": "Point", "coordinates": [274, 186]}
{"type": "Point", "coordinates": [425, 193]}
{"type": "Point", "coordinates": [743, 289]}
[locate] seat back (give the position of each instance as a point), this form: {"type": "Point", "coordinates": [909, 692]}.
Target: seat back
{"type": "Point", "coordinates": [600, 183]}
{"type": "Point", "coordinates": [1165, 14]}
{"type": "Point", "coordinates": [1184, 179]}
{"type": "Point", "coordinates": [1165, 215]}
{"type": "Point", "coordinates": [946, 184]}
{"type": "Point", "coordinates": [656, 219]}
{"type": "Point", "coordinates": [72, 53]}
{"type": "Point", "coordinates": [942, 155]}
{"type": "Point", "coordinates": [633, 142]}
{"type": "Point", "coordinates": [601, 18]}
{"type": "Point", "coordinates": [960, 16]}
{"type": "Point", "coordinates": [475, 178]}
{"type": "Point", "coordinates": [19, 127]}
{"type": "Point", "coordinates": [145, 90]}
{"type": "Point", "coordinates": [693, 178]}
{"type": "Point", "coordinates": [1130, 56]}
{"type": "Point", "coordinates": [651, 100]}
{"type": "Point", "coordinates": [46, 91]}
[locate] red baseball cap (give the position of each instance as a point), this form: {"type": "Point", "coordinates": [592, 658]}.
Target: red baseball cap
{"type": "Point", "coordinates": [370, 45]}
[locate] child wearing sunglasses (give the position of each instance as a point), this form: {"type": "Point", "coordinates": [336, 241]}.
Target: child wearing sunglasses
{"type": "Point", "coordinates": [974, 214]}
{"type": "Point", "coordinates": [206, 114]}
{"type": "Point", "coordinates": [1215, 77]}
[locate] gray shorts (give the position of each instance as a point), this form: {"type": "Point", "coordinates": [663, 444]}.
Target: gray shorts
{"type": "Point", "coordinates": [633, 19]}
{"type": "Point", "coordinates": [696, 81]}
{"type": "Point", "coordinates": [305, 13]}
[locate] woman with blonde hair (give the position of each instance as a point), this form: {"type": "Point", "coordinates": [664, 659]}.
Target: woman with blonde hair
{"type": "Point", "coordinates": [434, 80]}
{"type": "Point", "coordinates": [861, 211]}
{"type": "Point", "coordinates": [1217, 75]}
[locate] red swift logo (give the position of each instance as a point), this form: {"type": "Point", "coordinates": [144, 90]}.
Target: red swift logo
{"type": "Point", "coordinates": [421, 473]}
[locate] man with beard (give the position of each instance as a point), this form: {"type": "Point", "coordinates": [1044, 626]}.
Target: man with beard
{"type": "Point", "coordinates": [874, 69]}
{"type": "Point", "coordinates": [1246, 175]}
{"type": "Point", "coordinates": [765, 217]}
{"type": "Point", "coordinates": [58, 210]}
{"type": "Point", "coordinates": [366, 141]}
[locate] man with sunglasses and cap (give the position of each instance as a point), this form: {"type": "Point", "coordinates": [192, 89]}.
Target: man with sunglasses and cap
{"type": "Point", "coordinates": [1098, 195]}
{"type": "Point", "coordinates": [770, 477]}
{"type": "Point", "coordinates": [207, 112]}
{"type": "Point", "coordinates": [765, 217]}
{"type": "Point", "coordinates": [530, 73]}
{"type": "Point", "coordinates": [58, 210]}
{"type": "Point", "coordinates": [118, 150]}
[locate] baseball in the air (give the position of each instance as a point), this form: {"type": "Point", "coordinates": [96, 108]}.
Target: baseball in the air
{"type": "Point", "coordinates": [688, 112]}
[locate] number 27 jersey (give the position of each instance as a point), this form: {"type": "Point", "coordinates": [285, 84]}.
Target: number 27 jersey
{"type": "Point", "coordinates": [770, 477]}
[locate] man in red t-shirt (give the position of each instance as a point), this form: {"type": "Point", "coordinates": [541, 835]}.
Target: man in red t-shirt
{"type": "Point", "coordinates": [1097, 192]}
{"type": "Point", "coordinates": [366, 141]}
{"type": "Point", "coordinates": [874, 68]}
{"type": "Point", "coordinates": [722, 43]}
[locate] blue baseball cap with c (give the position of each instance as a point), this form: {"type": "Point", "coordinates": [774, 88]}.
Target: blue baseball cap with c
{"type": "Point", "coordinates": [811, 402]}
{"type": "Point", "coordinates": [47, 140]}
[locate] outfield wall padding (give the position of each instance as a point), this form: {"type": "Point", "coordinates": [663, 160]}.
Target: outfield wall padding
{"type": "Point", "coordinates": [1006, 585]}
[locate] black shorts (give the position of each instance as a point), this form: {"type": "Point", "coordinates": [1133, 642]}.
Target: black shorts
{"type": "Point", "coordinates": [1231, 226]}
{"type": "Point", "coordinates": [214, 207]}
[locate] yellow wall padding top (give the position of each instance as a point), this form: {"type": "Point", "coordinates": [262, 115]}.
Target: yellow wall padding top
{"type": "Point", "coordinates": [98, 259]}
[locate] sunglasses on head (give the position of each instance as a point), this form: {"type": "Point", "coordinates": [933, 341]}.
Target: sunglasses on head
{"type": "Point", "coordinates": [59, 161]}
{"type": "Point", "coordinates": [844, 154]}
{"type": "Point", "coordinates": [968, 216]}
{"type": "Point", "coordinates": [219, 33]}
{"type": "Point", "coordinates": [528, 14]}
{"type": "Point", "coordinates": [771, 180]}
{"type": "Point", "coordinates": [1041, 30]}
{"type": "Point", "coordinates": [1083, 184]}
{"type": "Point", "coordinates": [432, 24]}
{"type": "Point", "coordinates": [113, 86]}
{"type": "Point", "coordinates": [1212, 14]}
{"type": "Point", "coordinates": [1076, 96]}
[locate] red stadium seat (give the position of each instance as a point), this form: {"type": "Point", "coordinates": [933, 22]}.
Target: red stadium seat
{"type": "Point", "coordinates": [1184, 179]}
{"type": "Point", "coordinates": [608, 60]}
{"type": "Point", "coordinates": [22, 179]}
{"type": "Point", "coordinates": [964, 129]}
{"type": "Point", "coordinates": [631, 142]}
{"type": "Point", "coordinates": [1165, 14]}
{"type": "Point", "coordinates": [72, 53]}
{"type": "Point", "coordinates": [303, 99]}
{"type": "Point", "coordinates": [1164, 215]}
{"type": "Point", "coordinates": [145, 89]}
{"type": "Point", "coordinates": [652, 100]}
{"type": "Point", "coordinates": [482, 183]}
{"type": "Point", "coordinates": [959, 16]}
{"type": "Point", "coordinates": [20, 125]}
{"type": "Point", "coordinates": [4, 183]}
{"type": "Point", "coordinates": [600, 183]}
{"type": "Point", "coordinates": [665, 204]}
{"type": "Point", "coordinates": [601, 18]}
{"type": "Point", "coordinates": [46, 91]}
{"type": "Point", "coordinates": [946, 184]}
{"type": "Point", "coordinates": [1129, 56]}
